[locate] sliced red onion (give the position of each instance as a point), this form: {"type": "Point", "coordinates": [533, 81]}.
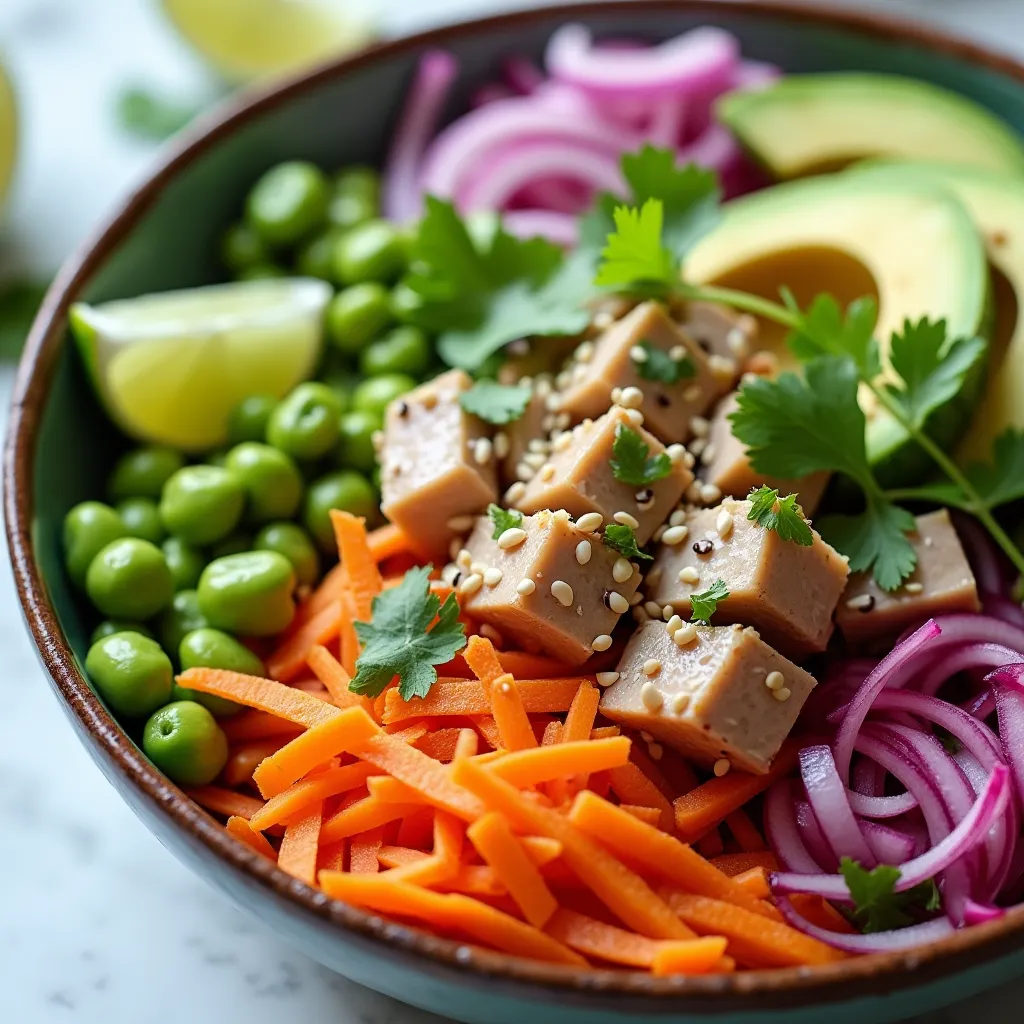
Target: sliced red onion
{"type": "Point", "coordinates": [781, 827]}
{"type": "Point", "coordinates": [868, 778]}
{"type": "Point", "coordinates": [1004, 608]}
{"type": "Point", "coordinates": [703, 59]}
{"type": "Point", "coordinates": [522, 75]}
{"type": "Point", "coordinates": [560, 228]}
{"type": "Point", "coordinates": [987, 562]}
{"type": "Point", "coordinates": [827, 797]}
{"type": "Point", "coordinates": [1010, 713]}
{"type": "Point", "coordinates": [813, 838]}
{"type": "Point", "coordinates": [981, 913]}
{"type": "Point", "coordinates": [426, 99]}
{"type": "Point", "coordinates": [970, 656]}
{"type": "Point", "coordinates": [889, 845]}
{"type": "Point", "coordinates": [981, 705]}
{"type": "Point", "coordinates": [881, 806]}
{"type": "Point", "coordinates": [667, 121]}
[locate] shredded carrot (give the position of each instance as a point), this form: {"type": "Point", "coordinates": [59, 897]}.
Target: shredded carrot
{"type": "Point", "coordinates": [301, 844]}
{"type": "Point", "coordinates": [244, 759]}
{"type": "Point", "coordinates": [755, 881]}
{"type": "Point", "coordinates": [563, 760]}
{"type": "Point", "coordinates": [400, 856]}
{"type": "Point", "coordinates": [475, 880]}
{"type": "Point", "coordinates": [510, 716]}
{"type": "Point", "coordinates": [552, 734]}
{"type": "Point", "coordinates": [416, 829]}
{"type": "Point", "coordinates": [753, 940]}
{"type": "Point", "coordinates": [467, 744]}
{"type": "Point", "coordinates": [710, 844]}
{"type": "Point", "coordinates": [241, 829]}
{"type": "Point", "coordinates": [631, 786]}
{"type": "Point", "coordinates": [451, 697]}
{"type": "Point", "coordinates": [330, 672]}
{"type": "Point", "coordinates": [411, 734]}
{"type": "Point", "coordinates": [332, 858]}
{"type": "Point", "coordinates": [441, 743]}
{"type": "Point", "coordinates": [698, 956]}
{"type": "Point", "coordinates": [625, 835]}
{"type": "Point", "coordinates": [648, 815]}
{"type": "Point", "coordinates": [710, 803]}
{"type": "Point", "coordinates": [361, 816]}
{"type": "Point", "coordinates": [579, 722]}
{"type": "Point", "coordinates": [451, 911]}
{"type": "Point", "coordinates": [531, 666]}
{"type": "Point", "coordinates": [364, 579]}
{"type": "Point", "coordinates": [820, 912]}
{"type": "Point", "coordinates": [386, 542]}
{"type": "Point", "coordinates": [623, 892]}
{"type": "Point", "coordinates": [736, 863]}
{"type": "Point", "coordinates": [290, 801]}
{"type": "Point", "coordinates": [363, 850]}
{"type": "Point", "coordinates": [482, 659]}
{"type": "Point", "coordinates": [745, 832]}
{"type": "Point", "coordinates": [391, 791]}
{"type": "Point", "coordinates": [327, 592]}
{"type": "Point", "coordinates": [487, 730]}
{"type": "Point", "coordinates": [602, 941]}
{"type": "Point", "coordinates": [258, 725]}
{"type": "Point", "coordinates": [224, 801]}
{"type": "Point", "coordinates": [497, 845]}
{"type": "Point", "coordinates": [285, 663]}
{"type": "Point", "coordinates": [342, 733]}
{"type": "Point", "coordinates": [348, 640]}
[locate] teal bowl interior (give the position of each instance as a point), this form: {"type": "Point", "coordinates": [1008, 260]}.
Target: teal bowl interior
{"type": "Point", "coordinates": [60, 447]}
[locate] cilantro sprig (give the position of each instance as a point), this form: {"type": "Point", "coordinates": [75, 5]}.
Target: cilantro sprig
{"type": "Point", "coordinates": [877, 905]}
{"type": "Point", "coordinates": [705, 604]}
{"type": "Point", "coordinates": [496, 403]}
{"type": "Point", "coordinates": [621, 538]}
{"type": "Point", "coordinates": [503, 519]}
{"type": "Point", "coordinates": [783, 515]}
{"type": "Point", "coordinates": [631, 462]}
{"type": "Point", "coordinates": [399, 640]}
{"type": "Point", "coordinates": [659, 365]}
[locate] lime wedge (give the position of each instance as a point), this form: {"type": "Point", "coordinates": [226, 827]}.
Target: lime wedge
{"type": "Point", "coordinates": [169, 368]}
{"type": "Point", "coordinates": [250, 38]}
{"type": "Point", "coordinates": [8, 133]}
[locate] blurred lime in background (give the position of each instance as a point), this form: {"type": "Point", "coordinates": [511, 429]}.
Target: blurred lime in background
{"type": "Point", "coordinates": [8, 133]}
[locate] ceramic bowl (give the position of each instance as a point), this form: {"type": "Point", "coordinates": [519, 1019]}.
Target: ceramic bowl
{"type": "Point", "coordinates": [59, 448]}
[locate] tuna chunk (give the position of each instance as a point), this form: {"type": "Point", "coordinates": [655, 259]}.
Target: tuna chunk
{"type": "Point", "coordinates": [437, 464]}
{"type": "Point", "coordinates": [667, 407]}
{"type": "Point", "coordinates": [942, 582]}
{"type": "Point", "coordinates": [519, 461]}
{"type": "Point", "coordinates": [784, 589]}
{"type": "Point", "coordinates": [725, 464]}
{"type": "Point", "coordinates": [578, 477]}
{"type": "Point", "coordinates": [721, 332]}
{"type": "Point", "coordinates": [711, 692]}
{"type": "Point", "coordinates": [550, 586]}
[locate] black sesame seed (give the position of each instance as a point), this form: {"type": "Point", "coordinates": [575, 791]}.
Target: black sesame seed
{"type": "Point", "coordinates": [456, 578]}
{"type": "Point", "coordinates": [604, 597]}
{"type": "Point", "coordinates": [663, 400]}
{"type": "Point", "coordinates": [703, 546]}
{"type": "Point", "coordinates": [642, 497]}
{"type": "Point", "coordinates": [403, 409]}
{"type": "Point", "coordinates": [704, 344]}
{"type": "Point", "coordinates": [868, 605]}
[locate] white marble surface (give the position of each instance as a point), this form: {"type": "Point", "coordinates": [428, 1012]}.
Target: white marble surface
{"type": "Point", "coordinates": [98, 923]}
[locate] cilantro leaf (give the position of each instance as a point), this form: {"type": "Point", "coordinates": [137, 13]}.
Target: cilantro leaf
{"type": "Point", "coordinates": [783, 515]}
{"type": "Point", "coordinates": [878, 907]}
{"type": "Point", "coordinates": [931, 370]}
{"type": "Point", "coordinates": [630, 462]}
{"type": "Point", "coordinates": [876, 539]}
{"type": "Point", "coordinates": [621, 538]}
{"type": "Point", "coordinates": [660, 366]}
{"type": "Point", "coordinates": [496, 403]}
{"type": "Point", "coordinates": [397, 640]}
{"type": "Point", "coordinates": [634, 254]}
{"type": "Point", "coordinates": [503, 519]}
{"type": "Point", "coordinates": [824, 331]}
{"type": "Point", "coordinates": [704, 605]}
{"type": "Point", "coordinates": [1001, 480]}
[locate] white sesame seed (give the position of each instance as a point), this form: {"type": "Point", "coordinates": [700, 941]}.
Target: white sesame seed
{"type": "Point", "coordinates": [460, 524]}
{"type": "Point", "coordinates": [677, 518]}
{"type": "Point", "coordinates": [553, 402]}
{"type": "Point", "coordinates": [724, 523]}
{"type": "Point", "coordinates": [534, 460]}
{"type": "Point", "coordinates": [656, 750]}
{"type": "Point", "coordinates": [667, 611]}
{"type": "Point", "coordinates": [677, 352]}
{"type": "Point", "coordinates": [454, 547]}
{"type": "Point", "coordinates": [562, 420]}
{"type": "Point", "coordinates": [659, 533]}
{"type": "Point", "coordinates": [774, 680]}
{"type": "Point", "coordinates": [651, 697]}
{"type": "Point", "coordinates": [589, 521]}
{"type": "Point", "coordinates": [635, 417]}
{"type": "Point", "coordinates": [622, 570]}
{"type": "Point", "coordinates": [601, 643]}
{"type": "Point", "coordinates": [538, 444]}
{"type": "Point", "coordinates": [782, 695]}
{"type": "Point", "coordinates": [464, 559]}
{"type": "Point", "coordinates": [547, 472]}
{"type": "Point", "coordinates": [561, 516]}
{"type": "Point", "coordinates": [679, 703]}
{"type": "Point", "coordinates": [688, 574]}
{"type": "Point", "coordinates": [525, 587]}
{"type": "Point", "coordinates": [585, 351]}
{"type": "Point", "coordinates": [653, 609]}
{"type": "Point", "coordinates": [860, 603]}
{"type": "Point", "coordinates": [548, 422]}
{"type": "Point", "coordinates": [617, 602]}
{"type": "Point", "coordinates": [511, 538]}
{"type": "Point", "coordinates": [487, 630]}
{"type": "Point", "coordinates": [673, 624]}
{"type": "Point", "coordinates": [929, 542]}
{"type": "Point", "coordinates": [562, 593]}
{"type": "Point", "coordinates": [583, 552]}
{"type": "Point", "coordinates": [692, 393]}
{"type": "Point", "coordinates": [636, 597]}
{"type": "Point", "coordinates": [675, 452]}
{"type": "Point", "coordinates": [640, 616]}
{"type": "Point", "coordinates": [697, 446]}
{"type": "Point", "coordinates": [638, 354]}
{"type": "Point", "coordinates": [543, 386]}
{"type": "Point", "coordinates": [693, 491]}
{"type": "Point", "coordinates": [471, 584]}
{"type": "Point", "coordinates": [492, 576]}
{"type": "Point", "coordinates": [625, 519]}
{"type": "Point", "coordinates": [708, 455]}
{"type": "Point", "coordinates": [709, 493]}
{"type": "Point", "coordinates": [652, 667]}
{"type": "Point", "coordinates": [515, 493]}
{"type": "Point", "coordinates": [632, 398]}
{"type": "Point", "coordinates": [607, 678]}
{"type": "Point", "coordinates": [562, 381]}
{"type": "Point", "coordinates": [524, 472]}
{"type": "Point", "coordinates": [501, 444]}
{"type": "Point", "coordinates": [737, 342]}
{"type": "Point", "coordinates": [723, 368]}
{"type": "Point", "coordinates": [913, 588]}
{"type": "Point", "coordinates": [449, 573]}
{"type": "Point", "coordinates": [603, 320]}
{"type": "Point", "coordinates": [685, 634]}
{"type": "Point", "coordinates": [478, 566]}
{"type": "Point", "coordinates": [674, 535]}
{"type": "Point", "coordinates": [482, 449]}
{"type": "Point", "coordinates": [699, 425]}
{"type": "Point", "coordinates": [561, 441]}
{"type": "Point", "coordinates": [722, 766]}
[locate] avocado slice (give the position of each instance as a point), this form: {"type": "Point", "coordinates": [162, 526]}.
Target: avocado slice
{"type": "Point", "coordinates": [804, 124]}
{"type": "Point", "coordinates": [912, 245]}
{"type": "Point", "coordinates": [996, 204]}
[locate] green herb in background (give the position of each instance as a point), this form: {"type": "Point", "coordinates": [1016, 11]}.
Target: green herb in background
{"type": "Point", "coordinates": [147, 115]}
{"type": "Point", "coordinates": [19, 303]}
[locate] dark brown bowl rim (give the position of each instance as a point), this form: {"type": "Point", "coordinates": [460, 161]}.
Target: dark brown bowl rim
{"type": "Point", "coordinates": [768, 990]}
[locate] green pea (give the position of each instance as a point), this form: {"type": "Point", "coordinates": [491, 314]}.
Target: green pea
{"type": "Point", "coordinates": [405, 303]}
{"type": "Point", "coordinates": [185, 562]}
{"type": "Point", "coordinates": [202, 504]}
{"type": "Point", "coordinates": [357, 315]}
{"type": "Point", "coordinates": [355, 446]}
{"type": "Point", "coordinates": [180, 618]}
{"type": "Point", "coordinates": [217, 457]}
{"type": "Point", "coordinates": [377, 393]}
{"type": "Point", "coordinates": [141, 518]}
{"type": "Point", "coordinates": [316, 257]}
{"type": "Point", "coordinates": [212, 648]}
{"type": "Point", "coordinates": [356, 197]}
{"type": "Point", "coordinates": [130, 671]}
{"type": "Point", "coordinates": [129, 579]}
{"type": "Point", "coordinates": [359, 180]}
{"type": "Point", "coordinates": [288, 202]}
{"type": "Point", "coordinates": [403, 350]}
{"type": "Point", "coordinates": [373, 251]}
{"type": "Point", "coordinates": [88, 528]}
{"type": "Point", "coordinates": [346, 490]}
{"type": "Point", "coordinates": [249, 594]}
{"type": "Point", "coordinates": [248, 420]}
{"type": "Point", "coordinates": [262, 272]}
{"type": "Point", "coordinates": [292, 541]}
{"type": "Point", "coordinates": [143, 472]}
{"type": "Point", "coordinates": [242, 248]}
{"type": "Point", "coordinates": [272, 481]}
{"type": "Point", "coordinates": [108, 627]}
{"type": "Point", "coordinates": [305, 424]}
{"type": "Point", "coordinates": [233, 544]}
{"type": "Point", "coordinates": [185, 742]}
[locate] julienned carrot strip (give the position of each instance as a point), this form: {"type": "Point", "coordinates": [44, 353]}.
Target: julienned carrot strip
{"type": "Point", "coordinates": [604, 732]}
{"type": "Point", "coordinates": [391, 791]}
{"type": "Point", "coordinates": [225, 801]}
{"type": "Point", "coordinates": [582, 711]}
{"type": "Point", "coordinates": [449, 837]}
{"type": "Point", "coordinates": [313, 687]}
{"type": "Point", "coordinates": [745, 832]}
{"type": "Point", "coordinates": [755, 881]}
{"type": "Point", "coordinates": [244, 759]}
{"type": "Point", "coordinates": [623, 892]}
{"type": "Point", "coordinates": [400, 856]}
{"type": "Point", "coordinates": [342, 733]}
{"type": "Point", "coordinates": [411, 734]}
{"type": "Point", "coordinates": [604, 941]}
{"type": "Point", "coordinates": [363, 850]}
{"type": "Point", "coordinates": [364, 814]}
{"type": "Point", "coordinates": [441, 743]}
{"type": "Point", "coordinates": [644, 844]}
{"type": "Point", "coordinates": [736, 863]}
{"type": "Point", "coordinates": [541, 851]}
{"type": "Point", "coordinates": [241, 829]}
{"type": "Point", "coordinates": [631, 786]}
{"type": "Point", "coordinates": [416, 829]}
{"type": "Point", "coordinates": [364, 579]}
{"type": "Point", "coordinates": [386, 542]}
{"type": "Point", "coordinates": [306, 791]}
{"type": "Point", "coordinates": [348, 640]}
{"type": "Point", "coordinates": [698, 956]}
{"type": "Point", "coordinates": [468, 916]}
{"type": "Point", "coordinates": [327, 592]}
{"type": "Point", "coordinates": [710, 803]}
{"type": "Point", "coordinates": [710, 844]}
{"type": "Point", "coordinates": [285, 663]}
{"type": "Point", "coordinates": [251, 725]}
{"type": "Point", "coordinates": [301, 844]}
{"type": "Point", "coordinates": [531, 666]}
{"type": "Point", "coordinates": [820, 912]}
{"type": "Point", "coordinates": [562, 760]}
{"type": "Point", "coordinates": [332, 858]}
{"type": "Point", "coordinates": [264, 694]}
{"type": "Point", "coordinates": [552, 734]}
{"type": "Point", "coordinates": [467, 744]}
{"type": "Point", "coordinates": [487, 730]}
{"type": "Point", "coordinates": [648, 815]}
{"type": "Point", "coordinates": [330, 672]}
{"type": "Point", "coordinates": [449, 697]}
{"type": "Point", "coordinates": [753, 940]}
{"type": "Point", "coordinates": [497, 845]}
{"type": "Point", "coordinates": [510, 715]}
{"type": "Point", "coordinates": [482, 659]}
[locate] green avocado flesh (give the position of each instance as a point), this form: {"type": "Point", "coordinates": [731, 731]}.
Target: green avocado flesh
{"type": "Point", "coordinates": [805, 124]}
{"type": "Point", "coordinates": [912, 245]}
